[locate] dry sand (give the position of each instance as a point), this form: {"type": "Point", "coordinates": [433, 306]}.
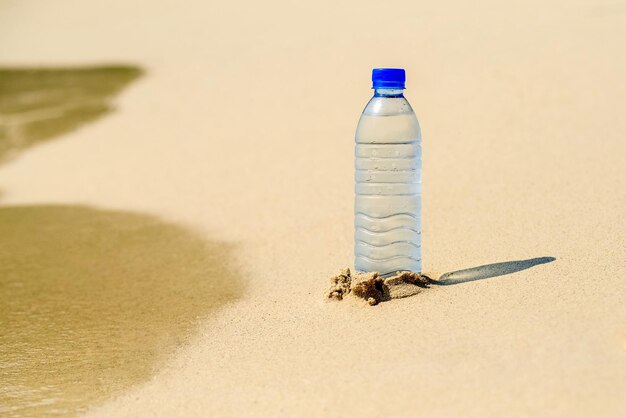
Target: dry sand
{"type": "Point", "coordinates": [242, 128]}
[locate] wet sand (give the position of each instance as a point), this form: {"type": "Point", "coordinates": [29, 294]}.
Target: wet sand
{"type": "Point", "coordinates": [94, 301]}
{"type": "Point", "coordinates": [38, 104]}
{"type": "Point", "coordinates": [242, 129]}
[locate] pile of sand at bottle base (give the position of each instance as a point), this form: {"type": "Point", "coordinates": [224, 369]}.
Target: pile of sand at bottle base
{"type": "Point", "coordinates": [375, 289]}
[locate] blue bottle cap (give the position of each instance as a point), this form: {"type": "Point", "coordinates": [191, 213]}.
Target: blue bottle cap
{"type": "Point", "coordinates": [388, 78]}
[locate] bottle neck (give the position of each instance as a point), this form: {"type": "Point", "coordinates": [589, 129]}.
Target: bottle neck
{"type": "Point", "coordinates": [382, 92]}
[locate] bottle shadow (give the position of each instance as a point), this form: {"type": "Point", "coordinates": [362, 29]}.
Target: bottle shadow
{"type": "Point", "coordinates": [489, 270]}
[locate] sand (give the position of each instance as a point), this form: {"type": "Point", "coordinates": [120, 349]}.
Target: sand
{"type": "Point", "coordinates": [38, 105]}
{"type": "Point", "coordinates": [373, 288]}
{"type": "Point", "coordinates": [87, 323]}
{"type": "Point", "coordinates": [242, 130]}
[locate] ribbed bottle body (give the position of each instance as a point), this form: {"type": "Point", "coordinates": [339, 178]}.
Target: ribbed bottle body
{"type": "Point", "coordinates": [388, 188]}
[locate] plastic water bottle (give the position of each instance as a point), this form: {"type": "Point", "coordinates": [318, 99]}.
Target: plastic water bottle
{"type": "Point", "coordinates": [388, 180]}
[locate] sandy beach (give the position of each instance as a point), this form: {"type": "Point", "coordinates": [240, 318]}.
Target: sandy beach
{"type": "Point", "coordinates": [240, 132]}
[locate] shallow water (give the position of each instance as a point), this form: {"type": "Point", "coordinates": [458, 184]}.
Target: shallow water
{"type": "Point", "coordinates": [91, 301]}
{"type": "Point", "coordinates": [37, 104]}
